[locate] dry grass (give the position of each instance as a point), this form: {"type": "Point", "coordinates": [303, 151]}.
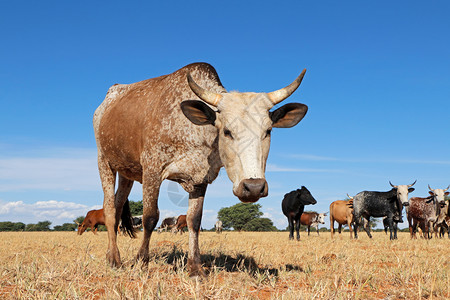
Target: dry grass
{"type": "Point", "coordinates": [52, 265]}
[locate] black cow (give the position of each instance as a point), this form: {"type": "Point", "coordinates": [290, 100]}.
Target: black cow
{"type": "Point", "coordinates": [137, 221]}
{"type": "Point", "coordinates": [293, 206]}
{"type": "Point", "coordinates": [381, 204]}
{"type": "Point", "coordinates": [386, 224]}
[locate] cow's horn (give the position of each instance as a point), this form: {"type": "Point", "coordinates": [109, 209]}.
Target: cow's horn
{"type": "Point", "coordinates": [394, 186]}
{"type": "Point", "coordinates": [207, 96]}
{"type": "Point", "coordinates": [349, 196]}
{"type": "Point", "coordinates": [410, 185]}
{"type": "Point", "coordinates": [447, 188]}
{"type": "Point", "coordinates": [77, 223]}
{"type": "Point", "coordinates": [279, 95]}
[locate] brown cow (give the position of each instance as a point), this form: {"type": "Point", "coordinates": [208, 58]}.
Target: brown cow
{"type": "Point", "coordinates": [180, 225]}
{"type": "Point", "coordinates": [93, 219]}
{"type": "Point", "coordinates": [313, 219]}
{"type": "Point", "coordinates": [341, 211]}
{"type": "Point", "coordinates": [184, 127]}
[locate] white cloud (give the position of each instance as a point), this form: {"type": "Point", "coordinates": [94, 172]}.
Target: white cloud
{"type": "Point", "coordinates": [57, 212]}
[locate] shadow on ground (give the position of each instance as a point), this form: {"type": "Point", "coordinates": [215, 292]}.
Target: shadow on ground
{"type": "Point", "coordinates": [178, 258]}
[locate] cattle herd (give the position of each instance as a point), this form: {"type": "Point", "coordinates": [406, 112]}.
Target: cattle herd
{"type": "Point", "coordinates": [184, 127]}
{"type": "Point", "coordinates": [427, 214]}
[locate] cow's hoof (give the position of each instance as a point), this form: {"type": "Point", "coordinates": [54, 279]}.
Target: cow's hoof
{"type": "Point", "coordinates": [143, 257]}
{"type": "Point", "coordinates": [195, 269]}
{"type": "Point", "coordinates": [113, 259]}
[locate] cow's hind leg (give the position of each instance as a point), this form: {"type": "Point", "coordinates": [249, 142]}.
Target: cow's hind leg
{"type": "Point", "coordinates": [194, 219]}
{"type": "Point", "coordinates": [108, 178]}
{"type": "Point", "coordinates": [150, 187]}
{"type": "Point", "coordinates": [115, 212]}
{"type": "Point", "coordinates": [356, 225]}
{"type": "Point", "coordinates": [331, 226]}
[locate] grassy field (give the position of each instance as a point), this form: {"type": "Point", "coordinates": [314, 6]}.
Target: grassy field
{"type": "Point", "coordinates": [62, 265]}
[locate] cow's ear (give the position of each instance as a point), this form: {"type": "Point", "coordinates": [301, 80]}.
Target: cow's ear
{"type": "Point", "coordinates": [431, 193]}
{"type": "Point", "coordinates": [198, 112]}
{"type": "Point", "coordinates": [288, 115]}
{"type": "Point", "coordinates": [410, 190]}
{"type": "Point", "coordinates": [446, 193]}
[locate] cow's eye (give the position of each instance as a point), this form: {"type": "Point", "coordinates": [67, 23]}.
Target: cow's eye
{"type": "Point", "coordinates": [268, 132]}
{"type": "Point", "coordinates": [227, 133]}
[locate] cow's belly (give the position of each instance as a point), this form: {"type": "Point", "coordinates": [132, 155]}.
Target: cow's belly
{"type": "Point", "coordinates": [341, 220]}
{"type": "Point", "coordinates": [128, 169]}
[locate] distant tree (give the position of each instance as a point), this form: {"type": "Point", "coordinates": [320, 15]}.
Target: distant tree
{"type": "Point", "coordinates": [19, 226]}
{"type": "Point", "coordinates": [259, 224]}
{"type": "Point", "coordinates": [65, 227]}
{"type": "Point", "coordinates": [238, 215]}
{"type": "Point", "coordinates": [136, 208]}
{"type": "Point", "coordinates": [11, 226]}
{"type": "Point", "coordinates": [40, 226]}
{"type": "Point", "coordinates": [373, 223]}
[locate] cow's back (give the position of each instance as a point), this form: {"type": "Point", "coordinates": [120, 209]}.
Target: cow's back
{"type": "Point", "coordinates": [144, 121]}
{"type": "Point", "coordinates": [375, 204]}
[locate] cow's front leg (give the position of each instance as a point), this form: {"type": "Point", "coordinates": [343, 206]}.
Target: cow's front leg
{"type": "Point", "coordinates": [297, 229]}
{"type": "Point", "coordinates": [194, 219]}
{"type": "Point", "coordinates": [391, 227]}
{"type": "Point", "coordinates": [366, 226]}
{"type": "Point", "coordinates": [291, 227]}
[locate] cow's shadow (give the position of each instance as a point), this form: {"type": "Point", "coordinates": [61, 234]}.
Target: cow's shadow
{"type": "Point", "coordinates": [178, 258]}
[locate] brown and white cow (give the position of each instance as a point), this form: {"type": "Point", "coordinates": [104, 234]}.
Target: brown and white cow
{"type": "Point", "coordinates": [425, 212]}
{"type": "Point", "coordinates": [180, 225]}
{"type": "Point", "coordinates": [167, 224]}
{"type": "Point", "coordinates": [184, 127]}
{"type": "Point", "coordinates": [93, 219]}
{"type": "Point", "coordinates": [341, 211]}
{"type": "Point", "coordinates": [312, 219]}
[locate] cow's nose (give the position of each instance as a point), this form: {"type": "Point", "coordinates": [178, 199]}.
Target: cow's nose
{"type": "Point", "coordinates": [406, 204]}
{"type": "Point", "coordinates": [250, 190]}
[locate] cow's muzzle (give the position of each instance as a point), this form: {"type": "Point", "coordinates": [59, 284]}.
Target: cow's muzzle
{"type": "Point", "coordinates": [405, 204]}
{"type": "Point", "coordinates": [250, 190]}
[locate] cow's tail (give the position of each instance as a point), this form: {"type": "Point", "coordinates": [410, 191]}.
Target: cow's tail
{"type": "Point", "coordinates": [127, 222]}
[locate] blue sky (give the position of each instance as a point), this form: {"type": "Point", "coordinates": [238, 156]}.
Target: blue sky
{"type": "Point", "coordinates": [377, 87]}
